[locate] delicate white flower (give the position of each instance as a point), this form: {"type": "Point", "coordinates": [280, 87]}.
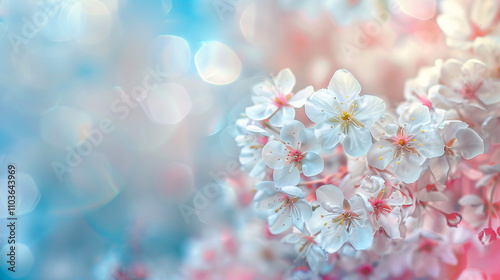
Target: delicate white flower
{"type": "Point", "coordinates": [340, 220]}
{"type": "Point", "coordinates": [406, 146]}
{"type": "Point", "coordinates": [466, 84]}
{"type": "Point", "coordinates": [386, 204]}
{"type": "Point", "coordinates": [252, 139]}
{"type": "Point", "coordinates": [464, 21]}
{"type": "Point", "coordinates": [297, 153]}
{"type": "Point", "coordinates": [344, 116]}
{"type": "Point", "coordinates": [275, 100]}
{"type": "Point", "coordinates": [427, 253]}
{"type": "Point", "coordinates": [308, 247]}
{"type": "Point", "coordinates": [286, 205]}
{"type": "Point", "coordinates": [488, 50]}
{"type": "Point", "coordinates": [460, 141]}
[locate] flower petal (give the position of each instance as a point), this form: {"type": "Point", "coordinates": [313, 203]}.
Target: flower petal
{"type": "Point", "coordinates": [380, 155]}
{"type": "Point", "coordinates": [312, 164]}
{"type": "Point", "coordinates": [290, 133]}
{"type": "Point", "coordinates": [274, 154]}
{"type": "Point", "coordinates": [408, 168]}
{"type": "Point", "coordinates": [328, 134]}
{"type": "Point", "coordinates": [280, 221]}
{"type": "Point", "coordinates": [330, 194]}
{"type": "Point", "coordinates": [283, 115]}
{"type": "Point", "coordinates": [285, 81]}
{"type": "Point", "coordinates": [357, 142]}
{"type": "Point", "coordinates": [261, 111]}
{"type": "Point", "coordinates": [287, 176]}
{"type": "Point", "coordinates": [345, 85]}
{"type": "Point", "coordinates": [369, 109]}
{"type": "Point", "coordinates": [299, 99]}
{"type": "Point", "coordinates": [321, 105]}
{"type": "Point", "coordinates": [361, 237]}
{"type": "Point", "coordinates": [469, 144]}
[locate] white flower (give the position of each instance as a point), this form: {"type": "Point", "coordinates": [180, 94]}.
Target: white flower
{"type": "Point", "coordinates": [406, 146]}
{"type": "Point", "coordinates": [386, 204]}
{"type": "Point", "coordinates": [252, 139]}
{"type": "Point", "coordinates": [308, 247]}
{"type": "Point", "coordinates": [286, 205]}
{"type": "Point", "coordinates": [460, 141]}
{"type": "Point", "coordinates": [297, 153]}
{"type": "Point", "coordinates": [462, 22]}
{"type": "Point", "coordinates": [344, 116]}
{"type": "Point", "coordinates": [340, 220]}
{"type": "Point", "coordinates": [466, 84]}
{"type": "Point", "coordinates": [275, 99]}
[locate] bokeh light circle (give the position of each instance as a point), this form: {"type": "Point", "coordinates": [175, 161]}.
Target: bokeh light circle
{"type": "Point", "coordinates": [167, 104]}
{"type": "Point", "coordinates": [91, 20]}
{"type": "Point", "coordinates": [217, 63]}
{"type": "Point", "coordinates": [170, 54]}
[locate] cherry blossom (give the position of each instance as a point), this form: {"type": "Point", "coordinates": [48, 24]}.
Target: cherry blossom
{"type": "Point", "coordinates": [341, 220]}
{"type": "Point", "coordinates": [404, 147]}
{"type": "Point", "coordinates": [274, 100]}
{"type": "Point", "coordinates": [251, 140]}
{"type": "Point", "coordinates": [286, 206]}
{"type": "Point", "coordinates": [308, 247]}
{"type": "Point", "coordinates": [296, 153]}
{"type": "Point", "coordinates": [344, 116]}
{"type": "Point", "coordinates": [466, 84]}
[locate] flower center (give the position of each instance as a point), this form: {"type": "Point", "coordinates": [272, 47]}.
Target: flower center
{"type": "Point", "coordinates": [281, 100]}
{"type": "Point", "coordinates": [380, 207]}
{"type": "Point", "coordinates": [469, 91]}
{"type": "Point", "coordinates": [345, 116]}
{"type": "Point", "coordinates": [427, 245]}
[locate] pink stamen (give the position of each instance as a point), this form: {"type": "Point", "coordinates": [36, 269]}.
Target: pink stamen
{"type": "Point", "coordinates": [380, 207]}
{"type": "Point", "coordinates": [281, 100]}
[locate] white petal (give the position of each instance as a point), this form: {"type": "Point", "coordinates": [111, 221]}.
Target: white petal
{"type": "Point", "coordinates": [321, 106]}
{"type": "Point", "coordinates": [299, 99]}
{"type": "Point", "coordinates": [344, 84]}
{"type": "Point", "coordinates": [270, 202]}
{"type": "Point", "coordinates": [473, 70]}
{"type": "Point", "coordinates": [328, 134]}
{"type": "Point", "coordinates": [274, 154]}
{"type": "Point", "coordinates": [285, 81]}
{"type": "Point", "coordinates": [439, 167]}
{"type": "Point", "coordinates": [361, 238]}
{"type": "Point", "coordinates": [283, 115]}
{"type": "Point", "coordinates": [292, 191]}
{"type": "Point", "coordinates": [484, 12]}
{"type": "Point", "coordinates": [489, 92]}
{"type": "Point", "coordinates": [301, 212]}
{"type": "Point", "coordinates": [280, 221]}
{"type": "Point", "coordinates": [408, 170]}
{"type": "Point", "coordinates": [308, 141]}
{"type": "Point", "coordinates": [432, 144]}
{"type": "Point", "coordinates": [290, 133]}
{"type": "Point", "coordinates": [380, 155]}
{"type": "Point", "coordinates": [312, 164]}
{"type": "Point", "coordinates": [334, 238]}
{"type": "Point", "coordinates": [264, 89]}
{"type": "Point", "coordinates": [291, 238]}
{"type": "Point", "coordinates": [357, 142]}
{"type": "Point", "coordinates": [415, 117]}
{"type": "Point", "coordinates": [469, 144]}
{"type": "Point", "coordinates": [286, 176]}
{"type": "Point", "coordinates": [369, 109]}
{"type": "Point", "coordinates": [470, 199]}
{"type": "Point", "coordinates": [260, 112]}
{"type": "Point", "coordinates": [330, 194]}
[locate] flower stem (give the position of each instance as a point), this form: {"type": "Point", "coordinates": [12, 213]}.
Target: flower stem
{"type": "Point", "coordinates": [490, 203]}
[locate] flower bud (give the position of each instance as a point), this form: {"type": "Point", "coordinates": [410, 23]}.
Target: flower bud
{"type": "Point", "coordinates": [453, 219]}
{"type": "Point", "coordinates": [486, 236]}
